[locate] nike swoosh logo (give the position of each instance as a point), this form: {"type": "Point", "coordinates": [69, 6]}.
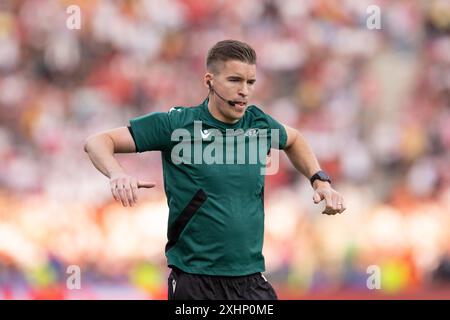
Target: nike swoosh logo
{"type": "Point", "coordinates": [173, 109]}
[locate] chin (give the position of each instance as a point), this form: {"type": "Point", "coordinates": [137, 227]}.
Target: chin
{"type": "Point", "coordinates": [236, 115]}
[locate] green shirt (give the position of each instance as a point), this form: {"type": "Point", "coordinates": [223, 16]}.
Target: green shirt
{"type": "Point", "coordinates": [215, 191]}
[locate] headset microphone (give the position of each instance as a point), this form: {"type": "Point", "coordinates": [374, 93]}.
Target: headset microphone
{"type": "Point", "coordinates": [230, 102]}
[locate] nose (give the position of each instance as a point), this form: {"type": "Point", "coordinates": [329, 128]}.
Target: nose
{"type": "Point", "coordinates": [243, 90]}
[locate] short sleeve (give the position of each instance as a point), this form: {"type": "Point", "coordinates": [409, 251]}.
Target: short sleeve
{"type": "Point", "coordinates": [151, 132]}
{"type": "Point", "coordinates": [278, 137]}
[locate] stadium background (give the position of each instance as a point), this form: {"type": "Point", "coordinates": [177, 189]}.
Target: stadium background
{"type": "Point", "coordinates": [374, 105]}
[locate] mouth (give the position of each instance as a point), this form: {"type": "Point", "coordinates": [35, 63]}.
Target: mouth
{"type": "Point", "coordinates": [241, 104]}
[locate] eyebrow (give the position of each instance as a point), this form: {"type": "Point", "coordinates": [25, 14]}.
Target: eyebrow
{"type": "Point", "coordinates": [239, 77]}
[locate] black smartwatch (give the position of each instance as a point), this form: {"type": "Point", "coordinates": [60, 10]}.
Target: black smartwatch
{"type": "Point", "coordinates": [321, 175]}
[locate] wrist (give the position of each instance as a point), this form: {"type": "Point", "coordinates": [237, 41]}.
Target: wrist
{"type": "Point", "coordinates": [320, 178]}
{"type": "Point", "coordinates": [115, 172]}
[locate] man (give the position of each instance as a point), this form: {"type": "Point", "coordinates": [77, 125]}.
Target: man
{"type": "Point", "coordinates": [215, 193]}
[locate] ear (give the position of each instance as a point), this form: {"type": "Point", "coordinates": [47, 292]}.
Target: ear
{"type": "Point", "coordinates": [208, 80]}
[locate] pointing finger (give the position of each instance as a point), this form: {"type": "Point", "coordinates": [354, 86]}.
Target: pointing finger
{"type": "Point", "coordinates": [144, 184]}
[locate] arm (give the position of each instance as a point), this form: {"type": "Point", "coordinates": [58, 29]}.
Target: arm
{"type": "Point", "coordinates": [101, 148]}
{"type": "Point", "coordinates": [302, 157]}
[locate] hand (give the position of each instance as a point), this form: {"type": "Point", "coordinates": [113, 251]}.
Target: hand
{"type": "Point", "coordinates": [124, 188]}
{"type": "Point", "coordinates": [334, 201]}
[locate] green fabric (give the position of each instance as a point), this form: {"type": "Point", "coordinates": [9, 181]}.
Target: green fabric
{"type": "Point", "coordinates": [225, 235]}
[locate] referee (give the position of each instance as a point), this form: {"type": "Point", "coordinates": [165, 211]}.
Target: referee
{"type": "Point", "coordinates": [215, 192]}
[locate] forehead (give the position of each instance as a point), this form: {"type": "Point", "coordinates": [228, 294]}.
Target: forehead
{"type": "Point", "coordinates": [238, 68]}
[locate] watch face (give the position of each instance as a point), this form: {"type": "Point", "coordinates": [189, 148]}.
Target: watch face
{"type": "Point", "coordinates": [323, 176]}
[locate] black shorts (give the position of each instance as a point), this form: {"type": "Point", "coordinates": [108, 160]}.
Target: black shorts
{"type": "Point", "coordinates": [187, 286]}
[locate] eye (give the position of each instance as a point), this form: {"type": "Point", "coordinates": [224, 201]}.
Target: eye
{"type": "Point", "coordinates": [251, 82]}
{"type": "Point", "coordinates": [234, 80]}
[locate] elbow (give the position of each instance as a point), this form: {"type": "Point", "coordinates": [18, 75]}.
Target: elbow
{"type": "Point", "coordinates": [89, 142]}
{"type": "Point", "coordinates": [98, 141]}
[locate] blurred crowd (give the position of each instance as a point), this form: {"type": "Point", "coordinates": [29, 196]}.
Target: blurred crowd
{"type": "Point", "coordinates": [373, 103]}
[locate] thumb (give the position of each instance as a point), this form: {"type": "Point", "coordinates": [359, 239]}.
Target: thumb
{"type": "Point", "coordinates": [317, 197]}
{"type": "Point", "coordinates": [144, 184]}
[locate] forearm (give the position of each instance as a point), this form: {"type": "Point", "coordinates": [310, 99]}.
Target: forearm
{"type": "Point", "coordinates": [301, 156]}
{"type": "Point", "coordinates": [100, 149]}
